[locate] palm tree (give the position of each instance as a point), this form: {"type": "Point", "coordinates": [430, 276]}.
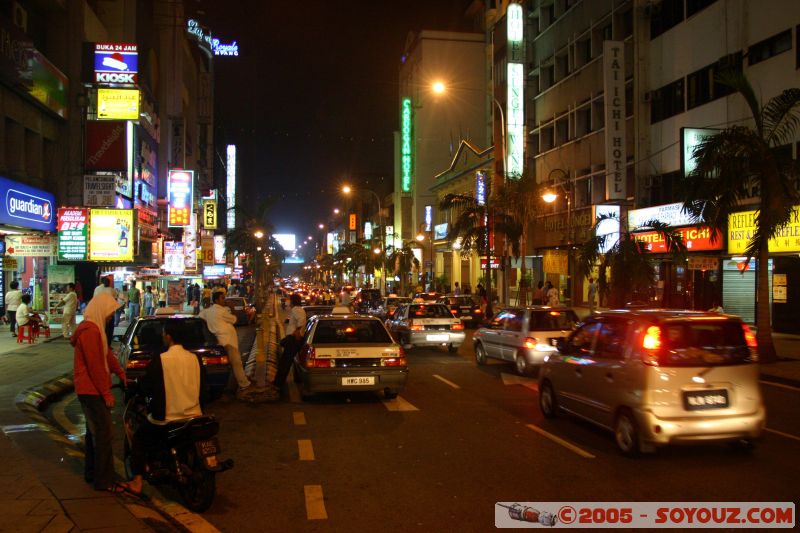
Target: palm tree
{"type": "Point", "coordinates": [625, 270]}
{"type": "Point", "coordinates": [401, 262]}
{"type": "Point", "coordinates": [243, 238]}
{"type": "Point", "coordinates": [741, 158]}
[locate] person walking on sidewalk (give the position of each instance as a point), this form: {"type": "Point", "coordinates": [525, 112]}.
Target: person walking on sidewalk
{"type": "Point", "coordinates": [149, 301]}
{"type": "Point", "coordinates": [220, 321]}
{"type": "Point", "coordinates": [93, 363]}
{"type": "Point", "coordinates": [13, 299]}
{"type": "Point", "coordinates": [70, 304]}
{"type": "Point", "coordinates": [162, 298]}
{"type": "Point", "coordinates": [291, 343]}
{"type": "Point", "coordinates": [134, 302]}
{"type": "Point", "coordinates": [592, 295]}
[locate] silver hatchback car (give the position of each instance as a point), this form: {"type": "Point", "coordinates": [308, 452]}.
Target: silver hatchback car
{"type": "Point", "coordinates": [659, 377]}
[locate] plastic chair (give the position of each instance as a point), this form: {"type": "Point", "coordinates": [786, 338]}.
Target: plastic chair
{"type": "Point", "coordinates": [25, 332]}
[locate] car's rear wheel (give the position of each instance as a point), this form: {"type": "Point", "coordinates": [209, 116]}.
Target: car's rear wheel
{"type": "Point", "coordinates": [480, 354]}
{"type": "Point", "coordinates": [452, 348]}
{"type": "Point", "coordinates": [523, 368]}
{"type": "Point", "coordinates": [626, 433]}
{"type": "Point", "coordinates": [389, 394]}
{"type": "Point", "coordinates": [548, 404]}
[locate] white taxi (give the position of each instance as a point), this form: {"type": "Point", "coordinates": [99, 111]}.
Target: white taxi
{"type": "Point", "coordinates": [426, 324]}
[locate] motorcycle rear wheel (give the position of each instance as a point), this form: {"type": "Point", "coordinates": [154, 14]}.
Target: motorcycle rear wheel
{"type": "Point", "coordinates": [198, 493]}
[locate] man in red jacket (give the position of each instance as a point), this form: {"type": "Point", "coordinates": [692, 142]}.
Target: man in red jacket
{"type": "Point", "coordinates": [93, 363]}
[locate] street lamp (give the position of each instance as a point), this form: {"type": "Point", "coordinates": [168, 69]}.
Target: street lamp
{"type": "Point", "coordinates": [420, 238]}
{"type": "Point", "coordinates": [258, 234]}
{"type": "Point", "coordinates": [336, 211]}
{"type": "Point", "coordinates": [549, 196]}
{"type": "Point", "coordinates": [347, 190]}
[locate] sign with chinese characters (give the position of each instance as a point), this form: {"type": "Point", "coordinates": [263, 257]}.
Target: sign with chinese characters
{"type": "Point", "coordinates": [180, 188]}
{"type": "Point", "coordinates": [703, 262]}
{"type": "Point", "coordinates": [614, 103]}
{"type": "Point", "coordinates": [428, 217]}
{"type": "Point", "coordinates": [115, 63]}
{"type": "Point", "coordinates": [670, 214]}
{"type": "Point", "coordinates": [111, 235]}
{"type": "Point", "coordinates": [26, 207]}
{"type": "Point", "coordinates": [118, 104]}
{"type": "Point", "coordinates": [207, 245]}
{"type": "Point", "coordinates": [480, 188]}
{"type": "Point", "coordinates": [73, 226]}
{"type": "Point", "coordinates": [742, 225]}
{"type": "Point", "coordinates": [31, 245]}
{"type": "Point", "coordinates": [99, 190]}
{"type": "Point", "coordinates": [209, 213]}
{"type": "Point", "coordinates": [353, 225]}
{"type": "Point", "coordinates": [406, 141]}
{"type": "Point", "coordinates": [219, 249]}
{"type": "Point", "coordinates": [106, 146]}
{"type": "Point", "coordinates": [173, 257]}
{"type": "Point", "coordinates": [696, 239]}
{"type": "Point", "coordinates": [690, 140]}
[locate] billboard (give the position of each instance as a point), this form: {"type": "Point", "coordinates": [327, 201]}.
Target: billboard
{"type": "Point", "coordinates": [173, 257]}
{"type": "Point", "coordinates": [614, 103]}
{"type": "Point", "coordinates": [219, 249]}
{"type": "Point", "coordinates": [230, 184]}
{"type": "Point", "coordinates": [106, 146]}
{"type": "Point", "coordinates": [180, 188]}
{"type": "Point", "coordinates": [406, 141]}
{"type": "Point", "coordinates": [116, 63]}
{"type": "Point", "coordinates": [690, 140]}
{"type": "Point", "coordinates": [73, 226]}
{"type": "Point", "coordinates": [209, 213]}
{"type": "Point", "coordinates": [287, 240]}
{"type": "Point", "coordinates": [111, 235]}
{"type": "Point", "coordinates": [26, 206]}
{"type": "Point", "coordinates": [118, 104]}
{"type": "Point", "coordinates": [696, 239]}
{"type": "Point", "coordinates": [742, 226]}
{"type": "Point", "coordinates": [31, 245]}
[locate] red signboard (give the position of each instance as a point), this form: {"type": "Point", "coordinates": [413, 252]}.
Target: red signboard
{"type": "Point", "coordinates": [495, 263]}
{"type": "Point", "coordinates": [696, 239]}
{"type": "Point", "coordinates": [106, 146]}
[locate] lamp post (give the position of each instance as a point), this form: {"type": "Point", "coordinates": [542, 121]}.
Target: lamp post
{"type": "Point", "coordinates": [420, 238]}
{"type": "Point", "coordinates": [258, 234]}
{"type": "Point", "coordinates": [550, 196]}
{"type": "Point", "coordinates": [347, 190]}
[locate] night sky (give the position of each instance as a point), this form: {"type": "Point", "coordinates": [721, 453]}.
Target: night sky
{"type": "Point", "coordinates": [312, 99]}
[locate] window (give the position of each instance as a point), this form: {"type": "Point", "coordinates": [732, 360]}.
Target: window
{"type": "Point", "coordinates": [562, 130]}
{"type": "Point", "coordinates": [667, 101]}
{"type": "Point", "coordinates": [695, 6]}
{"type": "Point", "coordinates": [553, 320]}
{"type": "Point", "coordinates": [583, 52]}
{"type": "Point", "coordinates": [698, 87]}
{"type": "Point", "coordinates": [665, 15]}
{"type": "Point", "coordinates": [514, 320]}
{"type": "Point", "coordinates": [797, 46]}
{"type": "Point", "coordinates": [611, 339]}
{"type": "Point", "coordinates": [429, 311]}
{"type": "Point", "coordinates": [767, 48]}
{"type": "Point", "coordinates": [581, 342]}
{"type": "Point", "coordinates": [583, 121]}
{"type": "Point", "coordinates": [350, 332]}
{"type": "Point", "coordinates": [703, 343]}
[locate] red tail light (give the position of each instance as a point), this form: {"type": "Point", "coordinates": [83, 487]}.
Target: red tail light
{"type": "Point", "coordinates": [216, 360]}
{"type": "Point", "coordinates": [415, 327]}
{"type": "Point", "coordinates": [454, 311]}
{"type": "Point", "coordinates": [749, 337]}
{"type": "Point", "coordinates": [651, 342]}
{"type": "Point", "coordinates": [477, 311]}
{"type": "Point", "coordinates": [458, 327]}
{"type": "Point", "coordinates": [137, 363]}
{"type": "Point", "coordinates": [530, 343]}
{"type": "Point", "coordinates": [394, 361]}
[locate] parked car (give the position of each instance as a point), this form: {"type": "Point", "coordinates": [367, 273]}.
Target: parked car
{"type": "Point", "coordinates": [426, 296]}
{"type": "Point", "coordinates": [142, 341]}
{"type": "Point", "coordinates": [386, 306]}
{"type": "Point", "coordinates": [523, 335]}
{"type": "Point", "coordinates": [314, 310]}
{"type": "Point", "coordinates": [366, 299]}
{"type": "Point", "coordinates": [464, 307]}
{"type": "Point", "coordinates": [426, 325]}
{"type": "Point", "coordinates": [659, 377]}
{"type": "Point", "coordinates": [347, 353]}
{"type": "Point", "coordinates": [244, 311]}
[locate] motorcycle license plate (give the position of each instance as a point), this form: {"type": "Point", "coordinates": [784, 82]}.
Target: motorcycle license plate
{"type": "Point", "coordinates": [208, 448]}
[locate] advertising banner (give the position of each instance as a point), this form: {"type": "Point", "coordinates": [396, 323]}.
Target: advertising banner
{"type": "Point", "coordinates": [207, 244]}
{"type": "Point", "coordinates": [31, 245]}
{"type": "Point", "coordinates": [73, 226]}
{"type": "Point", "coordinates": [115, 63]}
{"type": "Point", "coordinates": [106, 146]}
{"type": "Point", "coordinates": [111, 234]}
{"type": "Point", "coordinates": [696, 239]}
{"type": "Point", "coordinates": [209, 213]}
{"type": "Point", "coordinates": [26, 206]}
{"type": "Point", "coordinates": [690, 140]}
{"type": "Point", "coordinates": [219, 249]}
{"type": "Point", "coordinates": [118, 104]}
{"type": "Point", "coordinates": [180, 187]}
{"type": "Point", "coordinates": [614, 103]}
{"type": "Point", "coordinates": [176, 293]}
{"type": "Point", "coordinates": [58, 276]}
{"type": "Point", "coordinates": [173, 257]}
{"type": "Point", "coordinates": [190, 246]}
{"type": "Point", "coordinates": [741, 227]}
{"type": "Point", "coordinates": [670, 214]}
{"type": "Point", "coordinates": [703, 262]}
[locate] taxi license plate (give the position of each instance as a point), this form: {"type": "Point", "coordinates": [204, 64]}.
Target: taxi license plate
{"type": "Point", "coordinates": [360, 380]}
{"type": "Point", "coordinates": [345, 353]}
{"type": "Point", "coordinates": [437, 338]}
{"type": "Point", "coordinates": [465, 317]}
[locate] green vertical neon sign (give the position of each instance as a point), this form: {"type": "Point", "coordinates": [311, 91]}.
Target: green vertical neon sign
{"type": "Point", "coordinates": [406, 165]}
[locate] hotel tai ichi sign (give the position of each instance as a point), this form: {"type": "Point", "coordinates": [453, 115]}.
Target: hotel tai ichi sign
{"type": "Point", "coordinates": [406, 163]}
{"type": "Point", "coordinates": [515, 112]}
{"type": "Point", "coordinates": [614, 87]}
{"type": "Point", "coordinates": [180, 187]}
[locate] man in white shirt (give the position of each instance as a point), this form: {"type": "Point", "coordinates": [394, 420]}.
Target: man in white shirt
{"type": "Point", "coordinates": [70, 303]}
{"type": "Point", "coordinates": [13, 299]}
{"type": "Point", "coordinates": [220, 321]}
{"type": "Point", "coordinates": [295, 327]}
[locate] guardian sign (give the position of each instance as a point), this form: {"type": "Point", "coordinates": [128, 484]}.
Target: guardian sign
{"type": "Point", "coordinates": [406, 163]}
{"type": "Point", "coordinates": [116, 63]}
{"type": "Point", "coordinates": [26, 206]}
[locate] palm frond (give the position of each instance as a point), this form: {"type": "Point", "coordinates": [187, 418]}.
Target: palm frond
{"type": "Point", "coordinates": [782, 117]}
{"type": "Point", "coordinates": [736, 80]}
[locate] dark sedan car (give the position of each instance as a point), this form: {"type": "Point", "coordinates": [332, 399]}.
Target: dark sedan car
{"type": "Point", "coordinates": [465, 308]}
{"type": "Point", "coordinates": [142, 341]}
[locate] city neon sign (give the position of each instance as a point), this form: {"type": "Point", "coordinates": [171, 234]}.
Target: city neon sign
{"type": "Point", "coordinates": [515, 110]}
{"type": "Point", "coordinates": [406, 166]}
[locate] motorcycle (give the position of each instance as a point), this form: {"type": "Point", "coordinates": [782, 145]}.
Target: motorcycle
{"type": "Point", "coordinates": [188, 458]}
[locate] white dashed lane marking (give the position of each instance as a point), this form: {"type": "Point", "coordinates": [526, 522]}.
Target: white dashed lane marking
{"type": "Point", "coordinates": [315, 503]}
{"type": "Point", "coordinates": [443, 380]}
{"type": "Point", "coordinates": [562, 442]}
{"type": "Point", "coordinates": [399, 404]}
{"type": "Point", "coordinates": [299, 418]}
{"type": "Point", "coordinates": [305, 450]}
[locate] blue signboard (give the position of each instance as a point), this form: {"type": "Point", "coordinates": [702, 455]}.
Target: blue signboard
{"type": "Point", "coordinates": [480, 188]}
{"type": "Point", "coordinates": [428, 217]}
{"type": "Point", "coordinates": [26, 206]}
{"type": "Point", "coordinates": [116, 63]}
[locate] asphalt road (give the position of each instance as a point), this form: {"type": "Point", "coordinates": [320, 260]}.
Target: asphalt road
{"type": "Point", "coordinates": [459, 439]}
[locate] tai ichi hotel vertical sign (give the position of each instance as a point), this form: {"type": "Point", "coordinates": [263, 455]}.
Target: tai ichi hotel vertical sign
{"type": "Point", "coordinates": [614, 87]}
{"type": "Point", "coordinates": [515, 110]}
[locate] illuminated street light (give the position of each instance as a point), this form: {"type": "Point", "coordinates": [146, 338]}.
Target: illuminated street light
{"type": "Point", "coordinates": [346, 189]}
{"type": "Point", "coordinates": [377, 250]}
{"type": "Point", "coordinates": [420, 237]}
{"type": "Point", "coordinates": [321, 226]}
{"type": "Point", "coordinates": [258, 234]}
{"type": "Point", "coordinates": [438, 87]}
{"type": "Point", "coordinates": [336, 211]}
{"type": "Point", "coordinates": [549, 197]}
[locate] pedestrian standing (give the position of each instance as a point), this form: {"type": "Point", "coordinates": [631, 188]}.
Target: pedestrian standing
{"type": "Point", "coordinates": [552, 295]}
{"type": "Point", "coordinates": [13, 299]}
{"type": "Point", "coordinates": [149, 301]}
{"type": "Point", "coordinates": [162, 297]}
{"type": "Point", "coordinates": [70, 304]}
{"type": "Point", "coordinates": [93, 364]}
{"type": "Point", "coordinates": [457, 290]}
{"type": "Point", "coordinates": [196, 298]}
{"type": "Point", "coordinates": [291, 343]}
{"type": "Point", "coordinates": [221, 322]}
{"type": "Point", "coordinates": [592, 295]}
{"type": "Point", "coordinates": [134, 301]}
{"type": "Point", "coordinates": [538, 294]}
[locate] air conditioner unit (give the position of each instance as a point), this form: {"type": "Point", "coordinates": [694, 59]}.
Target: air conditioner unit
{"type": "Point", "coordinates": [20, 16]}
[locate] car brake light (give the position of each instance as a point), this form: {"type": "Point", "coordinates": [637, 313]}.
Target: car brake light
{"type": "Point", "coordinates": [458, 326]}
{"type": "Point", "coordinates": [651, 343]}
{"type": "Point", "coordinates": [749, 337]}
{"type": "Point", "coordinates": [216, 360]}
{"type": "Point", "coordinates": [477, 311]}
{"type": "Point", "coordinates": [416, 327]}
{"type": "Point", "coordinates": [530, 343]}
{"type": "Point", "coordinates": [137, 363]}
{"type": "Point", "coordinates": [394, 361]}
{"type": "Point", "coordinates": [454, 311]}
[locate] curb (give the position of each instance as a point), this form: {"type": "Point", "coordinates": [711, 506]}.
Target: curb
{"type": "Point", "coordinates": [36, 399]}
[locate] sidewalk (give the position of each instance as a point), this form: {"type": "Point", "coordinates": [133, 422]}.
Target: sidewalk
{"type": "Point", "coordinates": [41, 484]}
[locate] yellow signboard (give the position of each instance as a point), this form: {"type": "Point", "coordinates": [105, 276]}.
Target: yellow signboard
{"type": "Point", "coordinates": [111, 235]}
{"type": "Point", "coordinates": [741, 227]}
{"type": "Point", "coordinates": [118, 104]}
{"type": "Point", "coordinates": [209, 213]}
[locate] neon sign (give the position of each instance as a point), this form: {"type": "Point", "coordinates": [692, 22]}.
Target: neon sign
{"type": "Point", "coordinates": [180, 185]}
{"type": "Point", "coordinates": [230, 195]}
{"type": "Point", "coordinates": [515, 111]}
{"type": "Point", "coordinates": [406, 167]}
{"type": "Point", "coordinates": [480, 188]}
{"type": "Point", "coordinates": [428, 217]}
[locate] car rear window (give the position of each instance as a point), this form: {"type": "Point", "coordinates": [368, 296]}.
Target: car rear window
{"type": "Point", "coordinates": [350, 332]}
{"type": "Point", "coordinates": [429, 311]}
{"type": "Point", "coordinates": [703, 343]}
{"type": "Point", "coordinates": [317, 310]}
{"type": "Point", "coordinates": [148, 335]}
{"type": "Point", "coordinates": [397, 301]}
{"type": "Point", "coordinates": [553, 320]}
